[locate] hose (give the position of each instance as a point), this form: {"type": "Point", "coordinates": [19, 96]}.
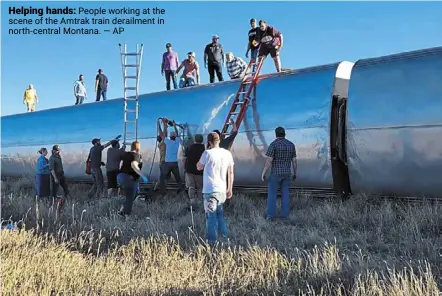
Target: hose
{"type": "Point", "coordinates": [155, 151]}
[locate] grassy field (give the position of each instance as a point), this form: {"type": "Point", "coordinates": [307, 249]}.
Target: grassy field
{"type": "Point", "coordinates": [357, 247]}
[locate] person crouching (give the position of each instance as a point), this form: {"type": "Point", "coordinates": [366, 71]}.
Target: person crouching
{"type": "Point", "coordinates": [129, 175]}
{"type": "Point", "coordinates": [42, 178]}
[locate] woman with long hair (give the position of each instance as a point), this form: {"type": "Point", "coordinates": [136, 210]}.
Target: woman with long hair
{"type": "Point", "coordinates": [42, 177]}
{"type": "Point", "coordinates": [129, 176]}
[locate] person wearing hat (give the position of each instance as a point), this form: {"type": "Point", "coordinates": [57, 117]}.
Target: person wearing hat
{"type": "Point", "coordinates": [57, 174]}
{"type": "Point", "coordinates": [101, 84]}
{"type": "Point", "coordinates": [250, 46]}
{"type": "Point", "coordinates": [236, 67]}
{"type": "Point", "coordinates": [42, 178]}
{"type": "Point", "coordinates": [214, 59]}
{"type": "Point", "coordinates": [94, 157]}
{"type": "Point", "coordinates": [113, 160]}
{"type": "Point", "coordinates": [169, 66]}
{"type": "Point", "coordinates": [30, 98]}
{"type": "Point", "coordinates": [191, 71]}
{"type": "Point", "coordinates": [270, 41]}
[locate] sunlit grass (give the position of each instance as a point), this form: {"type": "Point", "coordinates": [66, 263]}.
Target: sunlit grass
{"type": "Point", "coordinates": [325, 248]}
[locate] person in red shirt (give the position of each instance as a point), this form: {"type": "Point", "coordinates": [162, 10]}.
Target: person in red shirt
{"type": "Point", "coordinates": [270, 40]}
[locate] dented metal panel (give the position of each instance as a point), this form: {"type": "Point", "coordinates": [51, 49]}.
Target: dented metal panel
{"type": "Point", "coordinates": [394, 143]}
{"type": "Point", "coordinates": [298, 101]}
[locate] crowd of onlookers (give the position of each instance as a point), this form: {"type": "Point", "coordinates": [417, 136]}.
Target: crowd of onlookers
{"type": "Point", "coordinates": [262, 40]}
{"type": "Point", "coordinates": [208, 171]}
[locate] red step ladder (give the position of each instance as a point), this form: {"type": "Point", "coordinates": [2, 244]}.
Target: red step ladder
{"type": "Point", "coordinates": [242, 97]}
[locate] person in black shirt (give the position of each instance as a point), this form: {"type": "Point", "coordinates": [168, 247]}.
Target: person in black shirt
{"type": "Point", "coordinates": [95, 156]}
{"type": "Point", "coordinates": [129, 175]}
{"type": "Point", "coordinates": [270, 41]}
{"type": "Point", "coordinates": [250, 46]}
{"type": "Point", "coordinates": [101, 83]}
{"type": "Point", "coordinates": [226, 142]}
{"type": "Point", "coordinates": [194, 177]}
{"type": "Point", "coordinates": [214, 59]}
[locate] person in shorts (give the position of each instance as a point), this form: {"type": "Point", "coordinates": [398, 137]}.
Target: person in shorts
{"type": "Point", "coordinates": [113, 160]}
{"type": "Point", "coordinates": [270, 41]}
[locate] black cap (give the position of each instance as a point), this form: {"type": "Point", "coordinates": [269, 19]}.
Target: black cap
{"type": "Point", "coordinates": [252, 20]}
{"type": "Point", "coordinates": [95, 141]}
{"type": "Point", "coordinates": [99, 70]}
{"type": "Point", "coordinates": [168, 45]}
{"type": "Point", "coordinates": [56, 147]}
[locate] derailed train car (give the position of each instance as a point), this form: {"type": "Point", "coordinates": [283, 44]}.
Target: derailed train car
{"type": "Point", "coordinates": [371, 126]}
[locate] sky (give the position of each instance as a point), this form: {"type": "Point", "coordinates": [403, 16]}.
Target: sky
{"type": "Point", "coordinates": [315, 33]}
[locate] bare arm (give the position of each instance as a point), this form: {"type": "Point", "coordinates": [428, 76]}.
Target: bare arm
{"type": "Point", "coordinates": [230, 178]}
{"type": "Point", "coordinates": [197, 70]}
{"type": "Point", "coordinates": [179, 68]}
{"type": "Point", "coordinates": [165, 128]}
{"type": "Point", "coordinates": [135, 166]}
{"type": "Point", "coordinates": [160, 131]}
{"type": "Point", "coordinates": [267, 165]}
{"type": "Point", "coordinates": [295, 165]}
{"type": "Point", "coordinates": [96, 83]}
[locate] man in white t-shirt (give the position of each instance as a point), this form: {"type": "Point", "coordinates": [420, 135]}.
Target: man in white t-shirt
{"type": "Point", "coordinates": [170, 163]}
{"type": "Point", "coordinates": [217, 164]}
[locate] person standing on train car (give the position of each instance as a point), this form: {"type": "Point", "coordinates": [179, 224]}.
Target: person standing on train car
{"type": "Point", "coordinates": [250, 46]}
{"type": "Point", "coordinates": [80, 90]}
{"type": "Point", "coordinates": [57, 174]}
{"type": "Point", "coordinates": [191, 72]}
{"type": "Point", "coordinates": [43, 183]}
{"type": "Point", "coordinates": [171, 158]}
{"type": "Point", "coordinates": [129, 175]}
{"type": "Point", "coordinates": [281, 157]}
{"type": "Point", "coordinates": [113, 160]}
{"type": "Point", "coordinates": [95, 156]}
{"type": "Point", "coordinates": [217, 163]}
{"type": "Point", "coordinates": [169, 65]}
{"type": "Point", "coordinates": [193, 176]}
{"type": "Point", "coordinates": [30, 98]}
{"type": "Point", "coordinates": [214, 59]}
{"type": "Point", "coordinates": [101, 84]}
{"type": "Point", "coordinates": [270, 40]}
{"type": "Point", "coordinates": [236, 67]}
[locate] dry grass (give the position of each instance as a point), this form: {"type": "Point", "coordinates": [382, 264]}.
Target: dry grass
{"type": "Point", "coordinates": [325, 248]}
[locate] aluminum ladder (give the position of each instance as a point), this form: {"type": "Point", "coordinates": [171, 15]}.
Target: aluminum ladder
{"type": "Point", "coordinates": [131, 79]}
{"type": "Point", "coordinates": [243, 96]}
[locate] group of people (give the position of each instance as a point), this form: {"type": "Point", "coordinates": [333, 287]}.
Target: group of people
{"type": "Point", "coordinates": [209, 173]}
{"type": "Point", "coordinates": [262, 41]}
{"type": "Point", "coordinates": [30, 98]}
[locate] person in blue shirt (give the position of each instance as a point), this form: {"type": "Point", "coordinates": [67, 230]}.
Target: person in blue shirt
{"type": "Point", "coordinates": [43, 174]}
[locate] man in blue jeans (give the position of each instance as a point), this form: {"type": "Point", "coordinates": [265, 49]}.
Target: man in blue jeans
{"type": "Point", "coordinates": [129, 176]}
{"type": "Point", "coordinates": [217, 164]}
{"type": "Point", "coordinates": [281, 157]}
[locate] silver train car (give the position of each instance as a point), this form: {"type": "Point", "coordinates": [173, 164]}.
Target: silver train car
{"type": "Point", "coordinates": [373, 125]}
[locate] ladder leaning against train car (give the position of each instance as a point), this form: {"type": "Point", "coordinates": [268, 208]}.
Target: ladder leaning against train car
{"type": "Point", "coordinates": [243, 96]}
{"type": "Point", "coordinates": [131, 91]}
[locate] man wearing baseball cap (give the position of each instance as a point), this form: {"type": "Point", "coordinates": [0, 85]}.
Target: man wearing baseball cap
{"type": "Point", "coordinates": [190, 72]}
{"type": "Point", "coordinates": [169, 66]}
{"type": "Point", "coordinates": [95, 156]}
{"type": "Point", "coordinates": [57, 174]}
{"type": "Point", "coordinates": [214, 59]}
